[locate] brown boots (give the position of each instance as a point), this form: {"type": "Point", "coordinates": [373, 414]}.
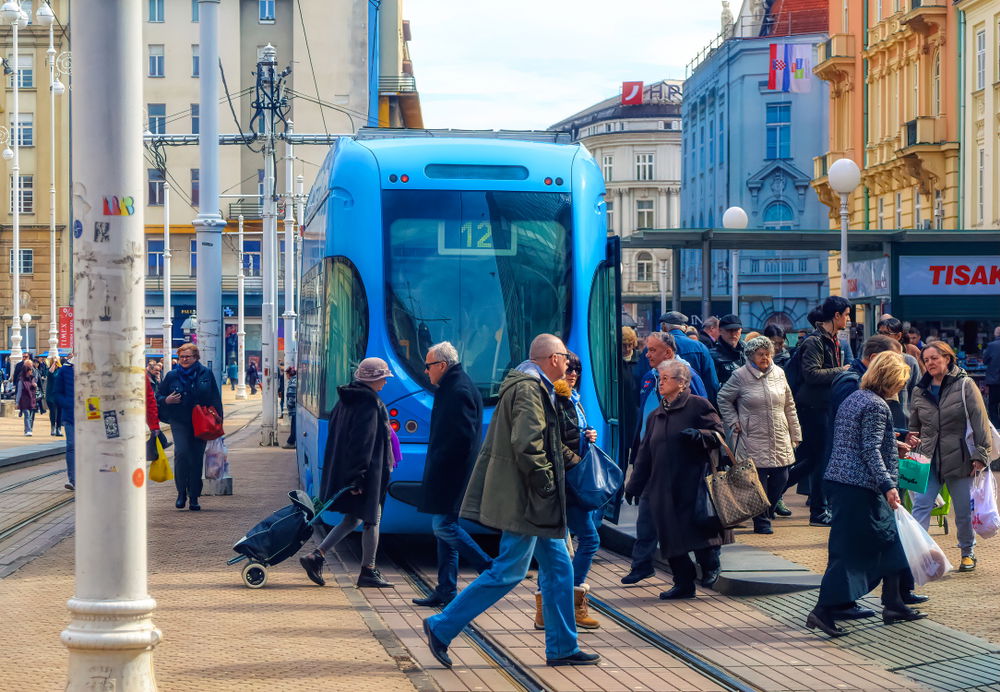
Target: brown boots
{"type": "Point", "coordinates": [583, 619]}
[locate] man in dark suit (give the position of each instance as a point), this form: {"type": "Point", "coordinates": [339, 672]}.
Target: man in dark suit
{"type": "Point", "coordinates": [455, 433]}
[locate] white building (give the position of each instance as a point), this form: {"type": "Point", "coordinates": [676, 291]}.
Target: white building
{"type": "Point", "coordinates": [639, 150]}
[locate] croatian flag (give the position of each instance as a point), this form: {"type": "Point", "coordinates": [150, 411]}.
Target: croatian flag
{"type": "Point", "coordinates": [790, 68]}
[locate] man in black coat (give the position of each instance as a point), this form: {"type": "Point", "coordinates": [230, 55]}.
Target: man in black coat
{"type": "Point", "coordinates": [455, 436]}
{"type": "Point", "coordinates": [729, 353]}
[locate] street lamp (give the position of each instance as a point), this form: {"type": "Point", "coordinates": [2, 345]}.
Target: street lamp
{"type": "Point", "coordinates": [11, 13]}
{"type": "Point", "coordinates": [735, 218]}
{"type": "Point", "coordinates": [844, 176]}
{"type": "Point", "coordinates": [26, 318]}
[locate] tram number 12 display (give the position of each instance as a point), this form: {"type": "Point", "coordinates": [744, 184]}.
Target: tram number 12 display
{"type": "Point", "coordinates": [476, 238]}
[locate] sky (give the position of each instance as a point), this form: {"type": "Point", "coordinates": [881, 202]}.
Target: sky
{"type": "Point", "coordinates": [526, 64]}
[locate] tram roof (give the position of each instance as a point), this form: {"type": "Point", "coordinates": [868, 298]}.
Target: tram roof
{"type": "Point", "coordinates": [799, 239]}
{"type": "Point", "coordinates": [545, 136]}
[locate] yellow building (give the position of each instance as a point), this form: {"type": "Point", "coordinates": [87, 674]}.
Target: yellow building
{"type": "Point", "coordinates": [891, 66]}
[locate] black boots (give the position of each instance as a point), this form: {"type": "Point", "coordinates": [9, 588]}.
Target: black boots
{"type": "Point", "coordinates": [372, 577]}
{"type": "Point", "coordinates": [181, 501]}
{"type": "Point", "coordinates": [313, 565]}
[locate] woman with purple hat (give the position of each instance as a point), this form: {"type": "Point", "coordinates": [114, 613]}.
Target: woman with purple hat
{"type": "Point", "coordinates": [358, 456]}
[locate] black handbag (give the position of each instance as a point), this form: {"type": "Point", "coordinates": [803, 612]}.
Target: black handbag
{"type": "Point", "coordinates": [594, 480]}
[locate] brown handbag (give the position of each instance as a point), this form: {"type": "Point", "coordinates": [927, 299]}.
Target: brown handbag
{"type": "Point", "coordinates": [736, 492]}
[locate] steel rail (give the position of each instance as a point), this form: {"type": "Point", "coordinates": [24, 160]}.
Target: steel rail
{"type": "Point", "coordinates": [14, 486]}
{"type": "Point", "coordinates": [11, 530]}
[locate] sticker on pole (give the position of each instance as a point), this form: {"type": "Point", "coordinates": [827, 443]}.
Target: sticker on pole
{"type": "Point", "coordinates": [93, 408]}
{"type": "Point", "coordinates": [138, 477]}
{"type": "Point", "coordinates": [111, 425]}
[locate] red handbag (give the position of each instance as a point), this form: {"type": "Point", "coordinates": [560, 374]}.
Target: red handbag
{"type": "Point", "coordinates": [207, 423]}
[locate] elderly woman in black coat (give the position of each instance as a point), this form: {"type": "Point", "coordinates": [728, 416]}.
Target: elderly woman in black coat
{"type": "Point", "coordinates": [358, 456]}
{"type": "Point", "coordinates": [670, 468]}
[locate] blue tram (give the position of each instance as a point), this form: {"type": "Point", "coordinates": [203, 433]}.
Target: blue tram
{"type": "Point", "coordinates": [481, 239]}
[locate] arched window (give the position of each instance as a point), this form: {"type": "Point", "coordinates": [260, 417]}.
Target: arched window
{"type": "Point", "coordinates": [936, 84]}
{"type": "Point", "coordinates": [644, 267]}
{"type": "Point", "coordinates": [779, 216]}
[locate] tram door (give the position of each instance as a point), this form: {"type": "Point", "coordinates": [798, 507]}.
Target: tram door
{"type": "Point", "coordinates": [605, 327]}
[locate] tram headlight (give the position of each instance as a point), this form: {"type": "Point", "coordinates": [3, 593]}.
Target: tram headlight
{"type": "Point", "coordinates": [411, 426]}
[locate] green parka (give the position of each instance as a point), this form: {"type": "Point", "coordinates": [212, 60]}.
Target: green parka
{"type": "Point", "coordinates": [519, 481]}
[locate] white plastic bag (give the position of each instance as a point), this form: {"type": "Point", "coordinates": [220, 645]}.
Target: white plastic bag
{"type": "Point", "coordinates": [927, 561]}
{"type": "Point", "coordinates": [215, 459]}
{"type": "Point", "coordinates": [985, 518]}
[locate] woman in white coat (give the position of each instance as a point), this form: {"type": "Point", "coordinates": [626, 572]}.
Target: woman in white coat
{"type": "Point", "coordinates": [758, 412]}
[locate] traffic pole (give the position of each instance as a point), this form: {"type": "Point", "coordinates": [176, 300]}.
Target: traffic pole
{"type": "Point", "coordinates": [241, 347]}
{"type": "Point", "coordinates": [289, 315]}
{"type": "Point", "coordinates": [269, 266]}
{"type": "Point", "coordinates": [111, 634]}
{"type": "Point", "coordinates": [168, 324]}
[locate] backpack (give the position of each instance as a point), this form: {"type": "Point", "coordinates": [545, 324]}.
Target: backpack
{"type": "Point", "coordinates": [793, 369]}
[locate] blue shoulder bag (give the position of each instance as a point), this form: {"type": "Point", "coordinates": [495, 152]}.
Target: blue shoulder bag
{"type": "Point", "coordinates": [595, 480]}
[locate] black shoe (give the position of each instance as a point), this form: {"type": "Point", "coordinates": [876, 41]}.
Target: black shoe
{"type": "Point", "coordinates": [766, 530]}
{"type": "Point", "coordinates": [181, 501]}
{"type": "Point", "coordinates": [194, 506]}
{"type": "Point", "coordinates": [915, 598]}
{"type": "Point", "coordinates": [854, 612]}
{"type": "Point", "coordinates": [813, 621]}
{"type": "Point", "coordinates": [907, 615]}
{"type": "Point", "coordinates": [637, 575]}
{"type": "Point", "coordinates": [709, 577]}
{"type": "Point", "coordinates": [438, 649]}
{"type": "Point", "coordinates": [577, 659]}
{"type": "Point", "coordinates": [823, 520]}
{"type": "Point", "coordinates": [433, 601]}
{"type": "Point", "coordinates": [373, 578]}
{"type": "Point", "coordinates": [781, 509]}
{"type": "Point", "coordinates": [313, 565]}
{"type": "Point", "coordinates": [677, 593]}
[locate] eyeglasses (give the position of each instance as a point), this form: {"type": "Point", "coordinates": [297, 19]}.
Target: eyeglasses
{"type": "Point", "coordinates": [185, 355]}
{"type": "Point", "coordinates": [427, 366]}
{"type": "Point", "coordinates": [564, 355]}
{"type": "Point", "coordinates": [572, 371]}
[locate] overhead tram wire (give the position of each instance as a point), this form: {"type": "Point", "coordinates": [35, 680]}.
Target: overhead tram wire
{"type": "Point", "coordinates": [239, 126]}
{"type": "Point", "coordinates": [326, 104]}
{"type": "Point", "coordinates": [312, 68]}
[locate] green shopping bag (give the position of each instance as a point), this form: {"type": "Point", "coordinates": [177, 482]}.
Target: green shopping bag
{"type": "Point", "coordinates": [913, 475]}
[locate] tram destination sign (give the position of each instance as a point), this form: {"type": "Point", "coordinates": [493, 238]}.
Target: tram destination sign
{"type": "Point", "coordinates": [944, 275]}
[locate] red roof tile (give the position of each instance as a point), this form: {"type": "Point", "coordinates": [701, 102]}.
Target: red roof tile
{"type": "Point", "coordinates": [790, 17]}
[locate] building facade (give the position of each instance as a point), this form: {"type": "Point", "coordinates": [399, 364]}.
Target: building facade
{"type": "Point", "coordinates": [748, 145]}
{"type": "Point", "coordinates": [639, 150]}
{"type": "Point", "coordinates": [892, 70]}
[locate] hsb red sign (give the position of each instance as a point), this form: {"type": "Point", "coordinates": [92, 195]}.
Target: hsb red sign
{"type": "Point", "coordinates": [631, 93]}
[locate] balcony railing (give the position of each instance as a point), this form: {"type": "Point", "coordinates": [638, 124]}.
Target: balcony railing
{"type": "Point", "coordinates": [917, 4]}
{"type": "Point", "coordinates": [837, 46]}
{"type": "Point", "coordinates": [402, 83]}
{"type": "Point", "coordinates": [922, 130]}
{"type": "Point", "coordinates": [251, 210]}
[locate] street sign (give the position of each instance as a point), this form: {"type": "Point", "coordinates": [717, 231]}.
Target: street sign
{"type": "Point", "coordinates": [943, 275]}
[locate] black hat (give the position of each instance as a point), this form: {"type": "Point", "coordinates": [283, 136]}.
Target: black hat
{"type": "Point", "coordinates": [730, 321]}
{"type": "Point", "coordinates": [674, 317]}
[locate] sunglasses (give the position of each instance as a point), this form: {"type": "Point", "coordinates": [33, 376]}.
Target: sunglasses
{"type": "Point", "coordinates": [427, 366]}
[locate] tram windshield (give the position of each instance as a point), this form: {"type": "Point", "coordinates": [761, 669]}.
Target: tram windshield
{"type": "Point", "coordinates": [484, 270]}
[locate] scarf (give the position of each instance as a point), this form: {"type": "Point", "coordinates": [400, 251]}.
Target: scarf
{"type": "Point", "coordinates": [188, 376]}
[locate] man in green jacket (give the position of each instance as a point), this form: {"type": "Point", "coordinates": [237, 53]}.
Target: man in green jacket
{"type": "Point", "coordinates": [518, 487]}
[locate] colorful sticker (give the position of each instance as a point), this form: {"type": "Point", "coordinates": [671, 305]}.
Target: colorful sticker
{"type": "Point", "coordinates": [93, 408]}
{"type": "Point", "coordinates": [77, 228]}
{"type": "Point", "coordinates": [138, 477]}
{"type": "Point", "coordinates": [108, 468]}
{"type": "Point", "coordinates": [111, 425]}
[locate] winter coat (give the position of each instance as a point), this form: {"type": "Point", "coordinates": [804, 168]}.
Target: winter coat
{"type": "Point", "coordinates": [762, 404]}
{"type": "Point", "coordinates": [707, 340]}
{"type": "Point", "coordinates": [864, 446]}
{"type": "Point", "coordinates": [453, 442]}
{"type": "Point", "coordinates": [782, 357]}
{"type": "Point", "coordinates": [292, 394]}
{"type": "Point", "coordinates": [232, 372]}
{"type": "Point", "coordinates": [204, 392]}
{"type": "Point", "coordinates": [940, 424]}
{"type": "Point", "coordinates": [991, 359]}
{"type": "Point", "coordinates": [630, 397]}
{"type": "Point", "coordinates": [252, 376]}
{"type": "Point", "coordinates": [152, 411]}
{"type": "Point", "coordinates": [519, 481]}
{"type": "Point", "coordinates": [358, 452]}
{"type": "Point", "coordinates": [27, 392]}
{"type": "Point", "coordinates": [728, 359]}
{"type": "Point", "coordinates": [62, 387]}
{"type": "Point", "coordinates": [821, 363]}
{"type": "Point", "coordinates": [50, 389]}
{"type": "Point", "coordinates": [669, 470]}
{"type": "Point", "coordinates": [699, 358]}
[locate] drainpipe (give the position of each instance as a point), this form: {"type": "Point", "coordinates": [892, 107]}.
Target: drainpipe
{"type": "Point", "coordinates": [864, 110]}
{"type": "Point", "coordinates": [961, 220]}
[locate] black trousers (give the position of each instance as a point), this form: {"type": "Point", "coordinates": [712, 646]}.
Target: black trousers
{"type": "Point", "coordinates": [55, 417]}
{"type": "Point", "coordinates": [189, 461]}
{"type": "Point", "coordinates": [682, 567]}
{"type": "Point", "coordinates": [774, 480]}
{"type": "Point", "coordinates": [815, 434]}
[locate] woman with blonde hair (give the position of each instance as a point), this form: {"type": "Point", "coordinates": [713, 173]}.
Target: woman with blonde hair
{"type": "Point", "coordinates": [862, 485]}
{"type": "Point", "coordinates": [55, 413]}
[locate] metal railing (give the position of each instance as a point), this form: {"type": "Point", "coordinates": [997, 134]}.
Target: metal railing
{"type": "Point", "coordinates": [402, 83]}
{"type": "Point", "coordinates": [251, 210]}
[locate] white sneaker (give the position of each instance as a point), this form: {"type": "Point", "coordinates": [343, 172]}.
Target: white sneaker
{"type": "Point", "coordinates": [27, 434]}
{"type": "Point", "coordinates": [69, 486]}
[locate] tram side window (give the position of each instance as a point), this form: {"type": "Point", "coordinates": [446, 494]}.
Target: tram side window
{"type": "Point", "coordinates": [345, 328]}
{"type": "Point", "coordinates": [310, 366]}
{"type": "Point", "coordinates": [603, 325]}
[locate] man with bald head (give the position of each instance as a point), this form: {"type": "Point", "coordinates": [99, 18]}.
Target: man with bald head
{"type": "Point", "coordinates": [518, 487]}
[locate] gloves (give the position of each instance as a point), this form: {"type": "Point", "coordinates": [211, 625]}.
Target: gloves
{"type": "Point", "coordinates": [692, 434]}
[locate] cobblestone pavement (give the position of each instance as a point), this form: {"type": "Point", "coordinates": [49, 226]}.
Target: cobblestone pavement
{"type": "Point", "coordinates": [969, 602]}
{"type": "Point", "coordinates": [218, 635]}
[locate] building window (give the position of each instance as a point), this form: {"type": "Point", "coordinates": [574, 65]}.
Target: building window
{"type": "Point", "coordinates": [154, 187]}
{"type": "Point", "coordinates": [265, 10]}
{"type": "Point", "coordinates": [878, 10]}
{"type": "Point", "coordinates": [608, 167]}
{"type": "Point", "coordinates": [195, 11]}
{"type": "Point", "coordinates": [645, 216]}
{"type": "Point", "coordinates": [939, 209]}
{"type": "Point", "coordinates": [722, 140]}
{"type": "Point", "coordinates": [195, 118]}
{"type": "Point", "coordinates": [23, 125]}
{"type": "Point", "coordinates": [899, 210]}
{"type": "Point", "coordinates": [154, 258]}
{"type": "Point", "coordinates": [156, 10]}
{"type": "Point", "coordinates": [779, 130]}
{"type": "Point", "coordinates": [881, 213]}
{"type": "Point", "coordinates": [936, 83]}
{"type": "Point", "coordinates": [980, 183]}
{"type": "Point", "coordinates": [981, 59]}
{"type": "Point", "coordinates": [194, 258]}
{"type": "Point", "coordinates": [25, 71]}
{"type": "Point", "coordinates": [779, 216]}
{"type": "Point", "coordinates": [26, 194]}
{"type": "Point", "coordinates": [195, 60]}
{"type": "Point", "coordinates": [644, 166]}
{"type": "Point", "coordinates": [26, 8]}
{"type": "Point", "coordinates": [155, 60]}
{"type": "Point", "coordinates": [157, 118]}
{"type": "Point", "coordinates": [195, 187]}
{"type": "Point", "coordinates": [918, 213]}
{"type": "Point", "coordinates": [251, 257]}
{"type": "Point", "coordinates": [644, 267]}
{"type": "Point", "coordinates": [803, 266]}
{"type": "Point", "coordinates": [845, 15]}
{"type": "Point", "coordinates": [27, 260]}
{"type": "Point", "coordinates": [915, 72]}
{"type": "Point", "coordinates": [610, 206]}
{"type": "Point", "coordinates": [701, 148]}
{"type": "Point", "coordinates": [711, 147]}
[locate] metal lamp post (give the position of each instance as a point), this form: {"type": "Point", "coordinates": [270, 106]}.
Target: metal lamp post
{"type": "Point", "coordinates": [11, 13]}
{"type": "Point", "coordinates": [735, 218]}
{"type": "Point", "coordinates": [241, 334]}
{"type": "Point", "coordinates": [844, 176]}
{"type": "Point", "coordinates": [26, 320]}
{"type": "Point", "coordinates": [168, 324]}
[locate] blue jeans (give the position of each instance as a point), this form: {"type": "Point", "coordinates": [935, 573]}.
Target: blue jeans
{"type": "Point", "coordinates": [583, 524]}
{"type": "Point", "coordinates": [508, 569]}
{"type": "Point", "coordinates": [961, 500]}
{"type": "Point", "coordinates": [454, 541]}
{"type": "Point", "coordinates": [70, 431]}
{"type": "Point", "coordinates": [646, 539]}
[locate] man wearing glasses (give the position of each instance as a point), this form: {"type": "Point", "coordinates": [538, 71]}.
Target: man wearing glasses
{"type": "Point", "coordinates": [518, 487]}
{"type": "Point", "coordinates": [453, 442]}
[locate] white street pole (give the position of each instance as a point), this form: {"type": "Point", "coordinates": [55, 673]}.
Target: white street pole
{"type": "Point", "coordinates": [734, 262]}
{"type": "Point", "coordinates": [241, 348]}
{"type": "Point", "coordinates": [168, 324]}
{"type": "Point", "coordinates": [663, 287]}
{"type": "Point", "coordinates": [12, 13]}
{"type": "Point", "coordinates": [289, 314]}
{"type": "Point", "coordinates": [300, 215]}
{"type": "Point", "coordinates": [268, 261]}
{"type": "Point", "coordinates": [209, 222]}
{"type": "Point", "coordinates": [844, 217]}
{"type": "Point", "coordinates": [735, 218]}
{"type": "Point", "coordinates": [111, 635]}
{"type": "Point", "coordinates": [844, 176]}
{"type": "Point", "coordinates": [45, 16]}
